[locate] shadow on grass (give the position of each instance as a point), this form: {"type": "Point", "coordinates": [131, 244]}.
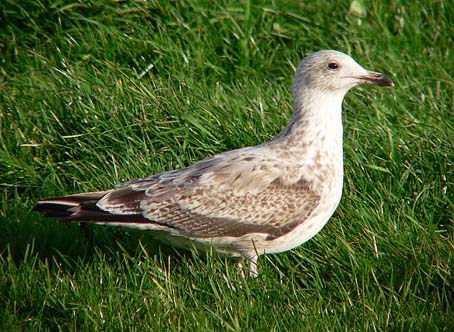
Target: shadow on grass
{"type": "Point", "coordinates": [72, 245]}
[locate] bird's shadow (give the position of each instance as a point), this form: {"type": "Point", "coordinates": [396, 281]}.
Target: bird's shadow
{"type": "Point", "coordinates": [72, 244]}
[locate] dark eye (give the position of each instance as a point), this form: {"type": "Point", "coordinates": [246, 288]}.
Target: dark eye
{"type": "Point", "coordinates": [333, 65]}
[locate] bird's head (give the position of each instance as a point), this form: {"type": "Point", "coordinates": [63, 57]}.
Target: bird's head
{"type": "Point", "coordinates": [333, 71]}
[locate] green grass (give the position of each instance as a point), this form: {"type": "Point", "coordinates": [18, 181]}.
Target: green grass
{"type": "Point", "coordinates": [93, 93]}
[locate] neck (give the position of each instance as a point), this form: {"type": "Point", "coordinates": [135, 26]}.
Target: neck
{"type": "Point", "coordinates": [316, 121]}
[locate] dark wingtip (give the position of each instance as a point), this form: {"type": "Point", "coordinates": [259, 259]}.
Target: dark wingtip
{"type": "Point", "coordinates": [65, 207]}
{"type": "Point", "coordinates": [52, 210]}
{"type": "Point", "coordinates": [84, 208]}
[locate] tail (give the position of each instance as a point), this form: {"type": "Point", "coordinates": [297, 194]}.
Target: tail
{"type": "Point", "coordinates": [83, 207]}
{"type": "Point", "coordinates": [67, 207]}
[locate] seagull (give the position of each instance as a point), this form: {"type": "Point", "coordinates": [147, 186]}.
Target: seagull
{"type": "Point", "coordinates": [255, 200]}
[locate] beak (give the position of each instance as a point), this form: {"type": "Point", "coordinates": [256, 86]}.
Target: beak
{"type": "Point", "coordinates": [376, 78]}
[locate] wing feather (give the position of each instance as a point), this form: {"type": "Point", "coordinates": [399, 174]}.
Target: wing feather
{"type": "Point", "coordinates": [226, 195]}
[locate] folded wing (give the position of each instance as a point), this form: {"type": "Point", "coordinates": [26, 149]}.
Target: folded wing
{"type": "Point", "coordinates": [231, 194]}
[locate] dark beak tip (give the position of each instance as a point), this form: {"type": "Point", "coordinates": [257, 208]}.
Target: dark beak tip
{"type": "Point", "coordinates": [378, 79]}
{"type": "Point", "coordinates": [385, 81]}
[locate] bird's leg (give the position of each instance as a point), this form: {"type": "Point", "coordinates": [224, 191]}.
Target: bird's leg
{"type": "Point", "coordinates": [253, 266]}
{"type": "Point", "coordinates": [241, 267]}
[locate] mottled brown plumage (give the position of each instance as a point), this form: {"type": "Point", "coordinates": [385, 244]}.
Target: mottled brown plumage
{"type": "Point", "coordinates": [262, 199]}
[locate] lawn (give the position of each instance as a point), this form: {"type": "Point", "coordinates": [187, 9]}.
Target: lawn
{"type": "Point", "coordinates": [94, 93]}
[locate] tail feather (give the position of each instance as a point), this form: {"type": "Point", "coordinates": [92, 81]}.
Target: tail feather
{"type": "Point", "coordinates": [83, 207]}
{"type": "Point", "coordinates": [67, 206]}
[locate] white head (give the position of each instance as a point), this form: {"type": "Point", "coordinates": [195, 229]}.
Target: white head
{"type": "Point", "coordinates": [332, 71]}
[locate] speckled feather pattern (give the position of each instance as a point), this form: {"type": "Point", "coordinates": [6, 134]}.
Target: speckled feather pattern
{"type": "Point", "coordinates": [262, 199]}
